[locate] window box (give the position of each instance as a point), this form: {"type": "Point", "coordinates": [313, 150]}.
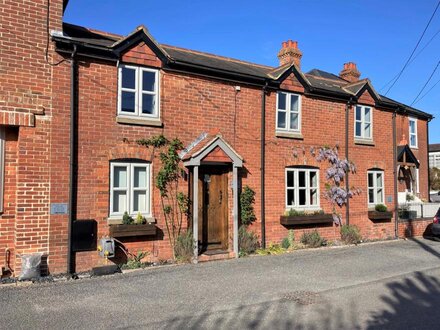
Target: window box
{"type": "Point", "coordinates": [407, 214]}
{"type": "Point", "coordinates": [306, 219]}
{"type": "Point", "coordinates": [380, 216]}
{"type": "Point", "coordinates": [148, 229]}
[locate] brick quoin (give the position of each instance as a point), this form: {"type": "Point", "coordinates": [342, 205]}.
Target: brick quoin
{"type": "Point", "coordinates": [35, 112]}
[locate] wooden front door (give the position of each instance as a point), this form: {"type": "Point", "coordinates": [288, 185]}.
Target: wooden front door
{"type": "Point", "coordinates": [213, 207]}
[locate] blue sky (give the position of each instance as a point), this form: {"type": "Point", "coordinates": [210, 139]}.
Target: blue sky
{"type": "Point", "coordinates": [378, 35]}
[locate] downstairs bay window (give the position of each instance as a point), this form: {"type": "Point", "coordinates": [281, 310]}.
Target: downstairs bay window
{"type": "Point", "coordinates": [302, 188]}
{"type": "Point", "coordinates": [129, 189]}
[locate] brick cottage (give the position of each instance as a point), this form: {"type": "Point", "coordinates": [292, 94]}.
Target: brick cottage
{"type": "Point", "coordinates": [74, 101]}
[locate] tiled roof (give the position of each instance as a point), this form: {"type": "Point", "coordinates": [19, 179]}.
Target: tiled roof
{"type": "Point", "coordinates": [434, 147]}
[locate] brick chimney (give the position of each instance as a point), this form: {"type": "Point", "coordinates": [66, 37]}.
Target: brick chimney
{"type": "Point", "coordinates": [290, 53]}
{"type": "Point", "coordinates": [350, 72]}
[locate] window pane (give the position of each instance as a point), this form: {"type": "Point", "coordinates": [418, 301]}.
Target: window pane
{"type": "Point", "coordinates": [127, 101]}
{"type": "Point", "coordinates": [281, 119]}
{"type": "Point", "coordinates": [370, 180]}
{"type": "Point", "coordinates": [119, 201]}
{"type": "Point", "coordinates": [412, 126]}
{"type": "Point", "coordinates": [140, 177]}
{"type": "Point", "coordinates": [140, 201]}
{"type": "Point", "coordinates": [120, 177]}
{"type": "Point", "coordinates": [290, 197]}
{"type": "Point", "coordinates": [367, 115]}
{"type": "Point", "coordinates": [128, 78]}
{"type": "Point", "coordinates": [302, 197]}
{"type": "Point", "coordinates": [148, 104]}
{"type": "Point", "coordinates": [294, 121]}
{"type": "Point", "coordinates": [294, 103]}
{"type": "Point", "coordinates": [367, 131]}
{"type": "Point", "coordinates": [290, 179]}
{"type": "Point", "coordinates": [302, 178]}
{"type": "Point", "coordinates": [379, 196]}
{"type": "Point", "coordinates": [282, 101]}
{"type": "Point", "coordinates": [358, 129]}
{"type": "Point", "coordinates": [358, 113]}
{"type": "Point", "coordinates": [370, 195]}
{"type": "Point", "coordinates": [313, 197]}
{"type": "Point", "coordinates": [313, 180]}
{"type": "Point", "coordinates": [148, 81]}
{"type": "Point", "coordinates": [379, 180]}
{"type": "Point", "coordinates": [412, 140]}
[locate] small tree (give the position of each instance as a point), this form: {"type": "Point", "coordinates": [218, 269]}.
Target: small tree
{"type": "Point", "coordinates": [247, 200]}
{"type": "Point", "coordinates": [434, 178]}
{"type": "Point", "coordinates": [175, 204]}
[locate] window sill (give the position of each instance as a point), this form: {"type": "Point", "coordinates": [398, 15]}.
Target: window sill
{"type": "Point", "coordinates": [414, 147]}
{"type": "Point", "coordinates": [139, 121]}
{"type": "Point", "coordinates": [289, 135]}
{"type": "Point", "coordinates": [118, 220]}
{"type": "Point", "coordinates": [364, 142]}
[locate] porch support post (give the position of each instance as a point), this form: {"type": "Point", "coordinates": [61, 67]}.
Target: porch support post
{"type": "Point", "coordinates": [235, 208]}
{"type": "Point", "coordinates": [195, 211]}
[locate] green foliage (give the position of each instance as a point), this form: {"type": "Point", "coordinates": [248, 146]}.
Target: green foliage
{"type": "Point", "coordinates": [184, 248]}
{"type": "Point", "coordinates": [127, 219]}
{"type": "Point", "coordinates": [285, 243]}
{"type": "Point", "coordinates": [247, 200]}
{"type": "Point", "coordinates": [273, 249]}
{"type": "Point", "coordinates": [294, 213]}
{"type": "Point", "coordinates": [247, 241]}
{"type": "Point", "coordinates": [409, 197]}
{"type": "Point", "coordinates": [350, 234]}
{"type": "Point", "coordinates": [434, 178]}
{"type": "Point", "coordinates": [174, 203]}
{"type": "Point", "coordinates": [312, 239]}
{"type": "Point", "coordinates": [135, 261]}
{"type": "Point", "coordinates": [381, 208]}
{"type": "Point", "coordinates": [140, 219]}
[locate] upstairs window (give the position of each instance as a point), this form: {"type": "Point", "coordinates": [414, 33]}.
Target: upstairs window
{"type": "Point", "coordinates": [2, 165]}
{"type": "Point", "coordinates": [288, 112]}
{"type": "Point", "coordinates": [138, 91]}
{"type": "Point", "coordinates": [413, 132]}
{"type": "Point", "coordinates": [363, 122]}
{"type": "Point", "coordinates": [129, 188]}
{"type": "Point", "coordinates": [302, 188]}
{"type": "Point", "coordinates": [376, 190]}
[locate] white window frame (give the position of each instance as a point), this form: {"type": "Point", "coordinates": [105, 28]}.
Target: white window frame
{"type": "Point", "coordinates": [2, 167]}
{"type": "Point", "coordinates": [375, 187]}
{"type": "Point", "coordinates": [363, 123]}
{"type": "Point", "coordinates": [138, 92]}
{"type": "Point", "coordinates": [411, 119]}
{"type": "Point", "coordinates": [287, 110]}
{"type": "Point", "coordinates": [130, 166]}
{"type": "Point", "coordinates": [296, 189]}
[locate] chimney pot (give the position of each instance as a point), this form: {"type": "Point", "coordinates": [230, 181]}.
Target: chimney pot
{"type": "Point", "coordinates": [290, 53]}
{"type": "Point", "coordinates": [350, 72]}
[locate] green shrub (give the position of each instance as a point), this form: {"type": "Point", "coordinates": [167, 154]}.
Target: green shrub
{"type": "Point", "coordinates": [247, 241]}
{"type": "Point", "coordinates": [381, 208]}
{"type": "Point", "coordinates": [285, 243]}
{"type": "Point", "coordinates": [273, 249]}
{"type": "Point", "coordinates": [293, 213]}
{"type": "Point", "coordinates": [312, 239]}
{"type": "Point", "coordinates": [350, 234]}
{"type": "Point", "coordinates": [247, 200]}
{"type": "Point", "coordinates": [184, 247]}
{"type": "Point", "coordinates": [126, 219]}
{"type": "Point", "coordinates": [135, 261]}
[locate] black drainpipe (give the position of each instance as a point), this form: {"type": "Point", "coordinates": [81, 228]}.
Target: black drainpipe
{"type": "Point", "coordinates": [263, 156]}
{"type": "Point", "coordinates": [72, 163]}
{"type": "Point", "coordinates": [347, 184]}
{"type": "Point", "coordinates": [396, 213]}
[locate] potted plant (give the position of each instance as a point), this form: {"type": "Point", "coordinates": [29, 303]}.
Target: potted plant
{"type": "Point", "coordinates": [133, 227]}
{"type": "Point", "coordinates": [294, 217]}
{"type": "Point", "coordinates": [380, 213]}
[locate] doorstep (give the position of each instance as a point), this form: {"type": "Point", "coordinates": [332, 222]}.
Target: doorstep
{"type": "Point", "coordinates": [215, 255]}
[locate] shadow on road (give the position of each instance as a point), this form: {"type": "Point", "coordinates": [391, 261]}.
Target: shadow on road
{"type": "Point", "coordinates": [412, 304]}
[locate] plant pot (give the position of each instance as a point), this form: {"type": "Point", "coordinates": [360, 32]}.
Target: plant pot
{"type": "Point", "coordinates": [380, 216]}
{"type": "Point", "coordinates": [407, 215]}
{"type": "Point", "coordinates": [133, 230]}
{"type": "Point", "coordinates": [288, 220]}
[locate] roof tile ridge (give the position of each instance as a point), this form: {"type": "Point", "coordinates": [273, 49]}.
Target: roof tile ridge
{"type": "Point", "coordinates": [217, 56]}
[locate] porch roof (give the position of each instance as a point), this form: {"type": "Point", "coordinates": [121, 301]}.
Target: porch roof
{"type": "Point", "coordinates": [406, 157]}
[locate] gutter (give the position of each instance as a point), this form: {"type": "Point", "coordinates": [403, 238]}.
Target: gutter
{"type": "Point", "coordinates": [262, 164]}
{"type": "Point", "coordinates": [72, 162]}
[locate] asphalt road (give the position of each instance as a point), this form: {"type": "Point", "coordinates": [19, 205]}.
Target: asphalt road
{"type": "Point", "coordinates": [390, 285]}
